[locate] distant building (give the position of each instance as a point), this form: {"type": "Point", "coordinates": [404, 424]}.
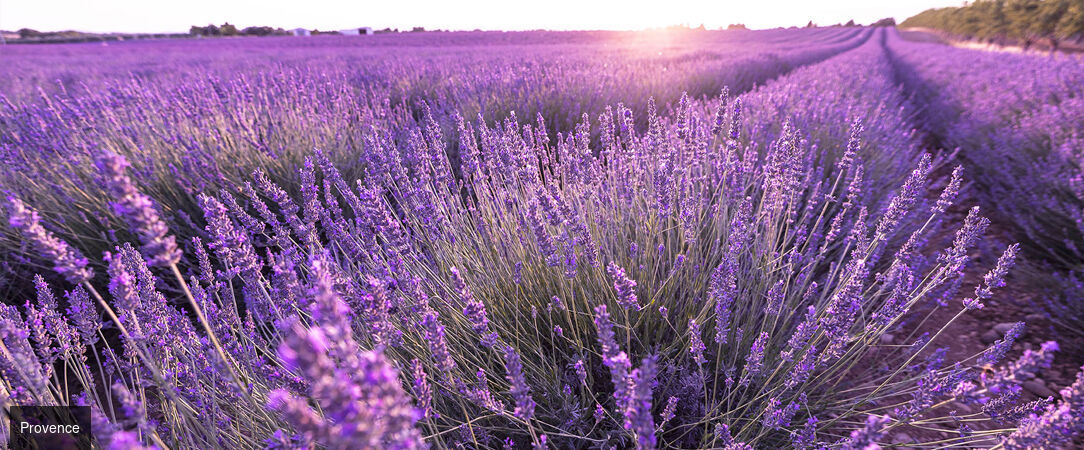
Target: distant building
{"type": "Point", "coordinates": [363, 31]}
{"type": "Point", "coordinates": [300, 32]}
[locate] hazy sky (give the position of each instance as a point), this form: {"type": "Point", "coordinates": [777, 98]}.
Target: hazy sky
{"type": "Point", "coordinates": [177, 16]}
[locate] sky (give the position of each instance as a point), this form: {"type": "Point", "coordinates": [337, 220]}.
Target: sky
{"type": "Point", "coordinates": [131, 16]}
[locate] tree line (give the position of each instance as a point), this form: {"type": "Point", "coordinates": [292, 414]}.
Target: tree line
{"type": "Point", "coordinates": [228, 29]}
{"type": "Point", "coordinates": [1025, 21]}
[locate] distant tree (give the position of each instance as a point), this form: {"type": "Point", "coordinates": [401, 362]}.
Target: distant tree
{"type": "Point", "coordinates": [886, 22]}
{"type": "Point", "coordinates": [1022, 20]}
{"type": "Point", "coordinates": [258, 31]}
{"type": "Point", "coordinates": [737, 26]}
{"type": "Point", "coordinates": [27, 33]}
{"type": "Point", "coordinates": [211, 30]}
{"type": "Point", "coordinates": [1071, 23]}
{"type": "Point", "coordinates": [417, 29]}
{"type": "Point", "coordinates": [228, 30]}
{"type": "Point", "coordinates": [850, 23]}
{"type": "Point", "coordinates": [810, 24]}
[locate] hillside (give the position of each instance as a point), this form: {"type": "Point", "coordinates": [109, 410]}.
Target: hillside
{"type": "Point", "coordinates": [1024, 22]}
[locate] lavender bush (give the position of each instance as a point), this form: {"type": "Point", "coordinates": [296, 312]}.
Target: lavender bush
{"type": "Point", "coordinates": [714, 272]}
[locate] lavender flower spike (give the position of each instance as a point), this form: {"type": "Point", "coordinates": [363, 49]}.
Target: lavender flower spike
{"type": "Point", "coordinates": [625, 286]}
{"type": "Point", "coordinates": [993, 279]}
{"type": "Point", "coordinates": [520, 391]}
{"type": "Point", "coordinates": [866, 438]}
{"type": "Point", "coordinates": [754, 361]}
{"type": "Point", "coordinates": [138, 211]}
{"type": "Point", "coordinates": [67, 261]}
{"type": "Point", "coordinates": [696, 344]}
{"type": "Point", "coordinates": [475, 310]}
{"type": "Point", "coordinates": [422, 390]}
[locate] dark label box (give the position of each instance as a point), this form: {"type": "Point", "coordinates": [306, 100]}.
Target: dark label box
{"type": "Point", "coordinates": [48, 427]}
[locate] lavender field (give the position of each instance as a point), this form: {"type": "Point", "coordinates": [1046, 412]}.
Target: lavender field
{"type": "Point", "coordinates": [793, 238]}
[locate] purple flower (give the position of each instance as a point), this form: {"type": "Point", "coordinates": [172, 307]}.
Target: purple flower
{"type": "Point", "coordinates": [775, 297]}
{"type": "Point", "coordinates": [1023, 368]}
{"type": "Point", "coordinates": [581, 371]}
{"type": "Point", "coordinates": [805, 330]}
{"type": "Point", "coordinates": [670, 410]}
{"type": "Point", "coordinates": [122, 284]}
{"type": "Point", "coordinates": [1052, 429]}
{"type": "Point", "coordinates": [854, 144]}
{"type": "Point", "coordinates": [638, 407]}
{"type": "Point", "coordinates": [309, 193]}
{"type": "Point", "coordinates": [722, 434]}
{"type": "Point", "coordinates": [63, 335]}
{"type": "Point", "coordinates": [625, 286]}
{"type": "Point", "coordinates": [678, 263]}
{"type": "Point", "coordinates": [232, 245]}
{"type": "Point", "coordinates": [1055, 426]}
{"type": "Point", "coordinates": [966, 236]}
{"type": "Point", "coordinates": [363, 404]}
{"type": "Point", "coordinates": [67, 261]}
{"type": "Point", "coordinates": [735, 120]}
{"type": "Point", "coordinates": [612, 356]}
{"type": "Point", "coordinates": [138, 210]}
{"type": "Point", "coordinates": [131, 406]}
{"type": "Point", "coordinates": [998, 350]}
{"type": "Point", "coordinates": [902, 203]}
{"type": "Point", "coordinates": [329, 310]}
{"type": "Point", "coordinates": [776, 417]}
{"type": "Point", "coordinates": [556, 303]}
{"type": "Point", "coordinates": [520, 391]}
{"type": "Point", "coordinates": [720, 111]}
{"type": "Point", "coordinates": [475, 310]}
{"type": "Point", "coordinates": [696, 345]}
{"type": "Point", "coordinates": [206, 271]}
{"type": "Point", "coordinates": [438, 346]}
{"type": "Point", "coordinates": [806, 437]}
{"type": "Point", "coordinates": [755, 359]}
{"type": "Point", "coordinates": [377, 305]}
{"type": "Point", "coordinates": [83, 314]}
{"type": "Point", "coordinates": [993, 279]}
{"type": "Point", "coordinates": [866, 437]}
{"type": "Point", "coordinates": [948, 195]}
{"type": "Point", "coordinates": [546, 246]}
{"type": "Point", "coordinates": [723, 286]}
{"type": "Point", "coordinates": [422, 391]}
{"type": "Point", "coordinates": [286, 204]}
{"type": "Point", "coordinates": [20, 366]}
{"type": "Point", "coordinates": [300, 415]}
